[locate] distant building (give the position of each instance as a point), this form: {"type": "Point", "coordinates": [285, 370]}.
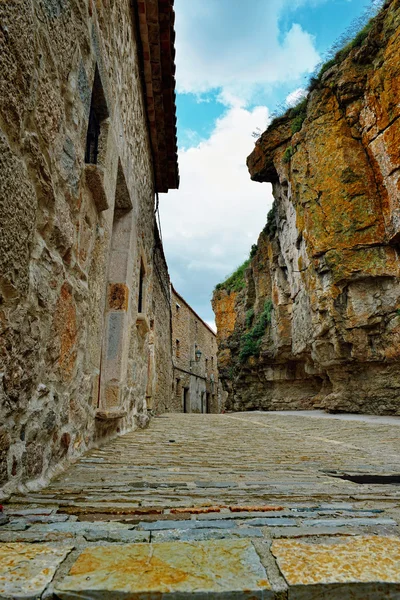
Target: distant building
{"type": "Point", "coordinates": [194, 351]}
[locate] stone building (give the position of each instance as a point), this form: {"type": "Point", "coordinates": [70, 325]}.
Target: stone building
{"type": "Point", "coordinates": [88, 139]}
{"type": "Point", "coordinates": [194, 350]}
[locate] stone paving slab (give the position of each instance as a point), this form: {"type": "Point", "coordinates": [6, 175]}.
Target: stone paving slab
{"type": "Point", "coordinates": [363, 567]}
{"type": "Point", "coordinates": [216, 569]}
{"type": "Point", "coordinates": [355, 521]}
{"type": "Point", "coordinates": [205, 534]}
{"type": "Point", "coordinates": [215, 524]}
{"type": "Point", "coordinates": [26, 569]}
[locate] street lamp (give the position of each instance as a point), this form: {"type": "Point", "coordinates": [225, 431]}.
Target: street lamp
{"type": "Point", "coordinates": [197, 356]}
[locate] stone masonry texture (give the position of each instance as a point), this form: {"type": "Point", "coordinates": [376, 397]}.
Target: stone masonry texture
{"type": "Point", "coordinates": [328, 261]}
{"type": "Point", "coordinates": [179, 511]}
{"type": "Point", "coordinates": [196, 386]}
{"type": "Point", "coordinates": [77, 360]}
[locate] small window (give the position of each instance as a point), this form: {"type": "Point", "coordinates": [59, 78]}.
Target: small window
{"type": "Point", "coordinates": [142, 276]}
{"type": "Point", "coordinates": [98, 113]}
{"type": "Point", "coordinates": [177, 348]}
{"type": "Point", "coordinates": [212, 362]}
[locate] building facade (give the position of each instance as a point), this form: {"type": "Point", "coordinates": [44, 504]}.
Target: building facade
{"type": "Point", "coordinates": [88, 139]}
{"type": "Point", "coordinates": [194, 350]}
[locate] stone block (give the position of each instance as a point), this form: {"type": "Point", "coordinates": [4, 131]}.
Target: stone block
{"type": "Point", "coordinates": [26, 569]}
{"type": "Point", "coordinates": [188, 535]}
{"type": "Point", "coordinates": [364, 568]}
{"type": "Point", "coordinates": [356, 521]}
{"type": "Point", "coordinates": [186, 524]}
{"type": "Point", "coordinates": [271, 522]}
{"type": "Point", "coordinates": [116, 535]}
{"type": "Point", "coordinates": [94, 175]}
{"type": "Point", "coordinates": [118, 296]}
{"type": "Point", "coordinates": [216, 569]}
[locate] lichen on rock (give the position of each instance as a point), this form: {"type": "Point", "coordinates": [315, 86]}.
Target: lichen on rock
{"type": "Point", "coordinates": [328, 259]}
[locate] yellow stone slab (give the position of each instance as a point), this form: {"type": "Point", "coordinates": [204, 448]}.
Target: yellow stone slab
{"type": "Point", "coordinates": [216, 569]}
{"type": "Point", "coordinates": [368, 563]}
{"type": "Point", "coordinates": [26, 569]}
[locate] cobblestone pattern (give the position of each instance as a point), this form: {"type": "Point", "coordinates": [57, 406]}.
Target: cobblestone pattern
{"type": "Point", "coordinates": [271, 487]}
{"type": "Point", "coordinates": [269, 496]}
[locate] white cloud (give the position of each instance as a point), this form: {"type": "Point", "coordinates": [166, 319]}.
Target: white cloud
{"type": "Point", "coordinates": [294, 97]}
{"type": "Point", "coordinates": [221, 44]}
{"type": "Point", "coordinates": [210, 223]}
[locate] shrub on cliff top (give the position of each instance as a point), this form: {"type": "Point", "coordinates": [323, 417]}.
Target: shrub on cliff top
{"type": "Point", "coordinates": [345, 45]}
{"type": "Point", "coordinates": [236, 281]}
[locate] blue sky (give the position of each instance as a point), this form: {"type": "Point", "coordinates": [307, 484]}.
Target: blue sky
{"type": "Point", "coordinates": [236, 63]}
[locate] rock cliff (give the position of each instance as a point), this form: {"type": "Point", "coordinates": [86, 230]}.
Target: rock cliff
{"type": "Point", "coordinates": [314, 320]}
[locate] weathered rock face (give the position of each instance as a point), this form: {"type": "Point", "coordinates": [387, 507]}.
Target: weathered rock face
{"type": "Point", "coordinates": [331, 268]}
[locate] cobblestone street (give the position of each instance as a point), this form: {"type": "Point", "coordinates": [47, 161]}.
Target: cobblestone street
{"type": "Point", "coordinates": [210, 494]}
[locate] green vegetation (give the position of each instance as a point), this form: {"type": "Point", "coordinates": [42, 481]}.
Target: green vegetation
{"type": "Point", "coordinates": [250, 342]}
{"type": "Point", "coordinates": [249, 318]}
{"type": "Point", "coordinates": [271, 226]}
{"type": "Point", "coordinates": [253, 250]}
{"type": "Point", "coordinates": [298, 113]}
{"type": "Point", "coordinates": [231, 373]}
{"type": "Point", "coordinates": [236, 281]}
{"type": "Point", "coordinates": [354, 37]}
{"type": "Point", "coordinates": [288, 154]}
{"type": "Point", "coordinates": [341, 54]}
{"type": "Point", "coordinates": [398, 312]}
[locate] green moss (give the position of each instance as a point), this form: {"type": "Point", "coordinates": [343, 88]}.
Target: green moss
{"type": "Point", "coordinates": [249, 318]}
{"type": "Point", "coordinates": [271, 224]}
{"type": "Point", "coordinates": [288, 154]}
{"type": "Point", "coordinates": [297, 123]}
{"type": "Point", "coordinates": [236, 281]}
{"type": "Point", "coordinates": [398, 312]}
{"type": "Point", "coordinates": [250, 343]}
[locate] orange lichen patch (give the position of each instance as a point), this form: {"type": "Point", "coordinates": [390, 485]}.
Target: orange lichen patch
{"type": "Point", "coordinates": [26, 569]}
{"type": "Point", "coordinates": [379, 261]}
{"type": "Point", "coordinates": [363, 559]}
{"type": "Point", "coordinates": [196, 510]}
{"type": "Point", "coordinates": [65, 325]}
{"type": "Point", "coordinates": [250, 508]}
{"type": "Point", "coordinates": [225, 314]}
{"type": "Point", "coordinates": [118, 296]}
{"type": "Point", "coordinates": [145, 570]}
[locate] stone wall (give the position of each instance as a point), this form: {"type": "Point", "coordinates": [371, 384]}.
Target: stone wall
{"type": "Point", "coordinates": [328, 261]}
{"type": "Point", "coordinates": [196, 385]}
{"type": "Point", "coordinates": [161, 369]}
{"type": "Point", "coordinates": [73, 236]}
